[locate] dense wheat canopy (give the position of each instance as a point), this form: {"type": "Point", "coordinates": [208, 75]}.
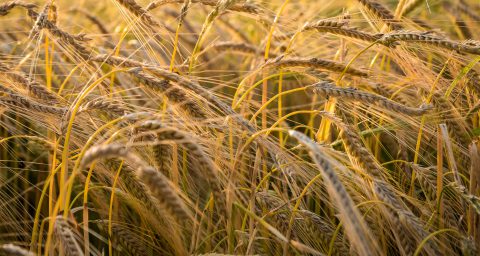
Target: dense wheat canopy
{"type": "Point", "coordinates": [238, 127]}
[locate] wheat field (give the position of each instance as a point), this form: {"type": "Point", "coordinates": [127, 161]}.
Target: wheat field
{"type": "Point", "coordinates": [233, 127]}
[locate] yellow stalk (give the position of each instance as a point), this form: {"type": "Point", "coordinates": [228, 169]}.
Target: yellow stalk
{"type": "Point", "coordinates": [439, 178]}
{"type": "Point", "coordinates": [110, 208]}
{"type": "Point", "coordinates": [325, 125]}
{"type": "Point", "coordinates": [265, 105]}
{"type": "Point", "coordinates": [283, 118]}
{"type": "Point", "coordinates": [46, 185]}
{"type": "Point", "coordinates": [280, 87]}
{"type": "Point", "coordinates": [267, 51]}
{"type": "Point", "coordinates": [244, 95]}
{"type": "Point", "coordinates": [67, 79]}
{"type": "Point", "coordinates": [117, 53]}
{"type": "Point", "coordinates": [295, 208]}
{"type": "Point", "coordinates": [422, 123]}
{"type": "Point", "coordinates": [62, 204]}
{"type": "Point", "coordinates": [430, 236]}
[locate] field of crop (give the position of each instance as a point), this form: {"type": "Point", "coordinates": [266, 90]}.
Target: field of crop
{"type": "Point", "coordinates": [233, 127]}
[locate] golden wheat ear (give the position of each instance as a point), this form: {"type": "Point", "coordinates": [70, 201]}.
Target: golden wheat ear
{"type": "Point", "coordinates": [14, 250]}
{"type": "Point", "coordinates": [328, 89]}
{"type": "Point", "coordinates": [160, 187]}
{"type": "Point", "coordinates": [69, 239]}
{"type": "Point", "coordinates": [357, 231]}
{"type": "Point", "coordinates": [314, 63]}
{"type": "Point", "coordinates": [340, 28]}
{"type": "Point", "coordinates": [381, 12]}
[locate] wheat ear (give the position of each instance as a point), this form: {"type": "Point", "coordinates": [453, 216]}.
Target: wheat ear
{"type": "Point", "coordinates": [156, 182]}
{"type": "Point", "coordinates": [360, 236]}
{"type": "Point", "coordinates": [124, 237]}
{"type": "Point", "coordinates": [314, 63]}
{"type": "Point", "coordinates": [19, 101]}
{"type": "Point", "coordinates": [468, 46]}
{"type": "Point", "coordinates": [339, 28]}
{"type": "Point", "coordinates": [68, 237]}
{"type": "Point", "coordinates": [173, 92]}
{"type": "Point", "coordinates": [138, 11]}
{"type": "Point", "coordinates": [106, 105]}
{"type": "Point", "coordinates": [240, 7]}
{"type": "Point", "coordinates": [32, 86]}
{"type": "Point", "coordinates": [163, 157]}
{"type": "Point", "coordinates": [5, 8]}
{"type": "Point", "coordinates": [328, 89]}
{"type": "Point", "coordinates": [41, 22]}
{"type": "Point", "coordinates": [195, 151]}
{"type": "Point", "coordinates": [14, 250]}
{"type": "Point", "coordinates": [185, 83]}
{"type": "Point", "coordinates": [381, 12]}
{"type": "Point", "coordinates": [239, 47]}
